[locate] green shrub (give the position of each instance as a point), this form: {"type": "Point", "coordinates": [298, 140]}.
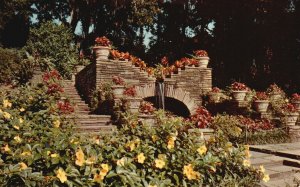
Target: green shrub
{"type": "Point", "coordinates": [53, 46]}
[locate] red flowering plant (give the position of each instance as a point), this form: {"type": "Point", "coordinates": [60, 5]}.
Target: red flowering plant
{"type": "Point", "coordinates": [146, 108]}
{"type": "Point", "coordinates": [164, 61]}
{"type": "Point", "coordinates": [185, 61]}
{"type": "Point", "coordinates": [65, 107]}
{"type": "Point", "coordinates": [202, 118]}
{"type": "Point", "coordinates": [237, 86]}
{"type": "Point", "coordinates": [117, 80]}
{"type": "Point", "coordinates": [115, 54]}
{"type": "Point", "coordinates": [54, 88]}
{"type": "Point", "coordinates": [51, 76]}
{"type": "Point", "coordinates": [215, 90]}
{"type": "Point", "coordinates": [178, 64]}
{"type": "Point", "coordinates": [255, 125]}
{"type": "Point", "coordinates": [288, 108]}
{"type": "Point", "coordinates": [261, 96]}
{"type": "Point", "coordinates": [200, 53]}
{"type": "Point", "coordinates": [295, 97]}
{"type": "Point", "coordinates": [194, 62]}
{"type": "Point", "coordinates": [102, 41]}
{"type": "Point", "coordinates": [130, 91]}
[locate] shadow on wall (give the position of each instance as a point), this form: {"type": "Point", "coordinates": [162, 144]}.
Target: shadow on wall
{"type": "Point", "coordinates": [172, 105]}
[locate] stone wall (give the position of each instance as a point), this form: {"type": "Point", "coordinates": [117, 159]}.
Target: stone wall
{"type": "Point", "coordinates": [85, 81]}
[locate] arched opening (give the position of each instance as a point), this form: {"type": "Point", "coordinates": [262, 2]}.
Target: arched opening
{"type": "Point", "coordinates": [172, 105]}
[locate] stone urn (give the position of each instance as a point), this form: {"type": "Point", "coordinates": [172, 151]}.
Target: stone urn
{"type": "Point", "coordinates": [118, 91]}
{"type": "Point", "coordinates": [148, 119]}
{"type": "Point", "coordinates": [290, 119]}
{"type": "Point", "coordinates": [203, 61]}
{"type": "Point", "coordinates": [239, 95]}
{"type": "Point", "coordinates": [296, 105]}
{"type": "Point", "coordinates": [133, 104]}
{"type": "Point", "coordinates": [261, 105]}
{"type": "Point", "coordinates": [101, 52]}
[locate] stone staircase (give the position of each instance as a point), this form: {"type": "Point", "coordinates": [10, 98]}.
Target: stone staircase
{"type": "Point", "coordinates": [86, 122]}
{"type": "Point", "coordinates": [282, 169]}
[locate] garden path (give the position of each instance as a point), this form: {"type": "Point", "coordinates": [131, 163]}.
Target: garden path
{"type": "Point", "coordinates": [281, 161]}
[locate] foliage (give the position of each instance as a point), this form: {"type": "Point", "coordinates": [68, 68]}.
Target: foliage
{"type": "Point", "coordinates": [295, 97]}
{"type": "Point", "coordinates": [101, 99]}
{"type": "Point", "coordinates": [130, 91]}
{"type": "Point", "coordinates": [237, 86]}
{"type": "Point", "coordinates": [146, 108]}
{"type": "Point", "coordinates": [261, 96]}
{"type": "Point", "coordinates": [202, 118]}
{"type": "Point", "coordinates": [15, 66]}
{"type": "Point", "coordinates": [52, 46]}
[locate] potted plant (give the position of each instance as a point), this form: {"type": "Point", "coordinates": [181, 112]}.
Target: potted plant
{"type": "Point", "coordinates": [102, 48]}
{"type": "Point", "coordinates": [215, 95]}
{"type": "Point", "coordinates": [295, 100]}
{"type": "Point", "coordinates": [133, 101]}
{"type": "Point", "coordinates": [261, 102]}
{"type": "Point", "coordinates": [146, 113]}
{"type": "Point", "coordinates": [118, 87]}
{"type": "Point", "coordinates": [202, 57]}
{"type": "Point", "coordinates": [290, 114]}
{"type": "Point", "coordinates": [275, 92]}
{"type": "Point", "coordinates": [239, 91]}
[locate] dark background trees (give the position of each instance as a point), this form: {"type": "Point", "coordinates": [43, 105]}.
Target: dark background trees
{"type": "Point", "coordinates": [256, 42]}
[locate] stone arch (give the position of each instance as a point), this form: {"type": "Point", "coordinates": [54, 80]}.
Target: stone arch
{"type": "Point", "coordinates": [148, 90]}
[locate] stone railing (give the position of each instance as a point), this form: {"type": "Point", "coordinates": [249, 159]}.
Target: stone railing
{"type": "Point", "coordinates": [85, 81]}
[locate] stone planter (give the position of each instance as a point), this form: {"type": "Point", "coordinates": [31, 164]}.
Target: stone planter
{"type": "Point", "coordinates": [203, 134]}
{"type": "Point", "coordinates": [134, 102]}
{"type": "Point", "coordinates": [133, 109]}
{"type": "Point", "coordinates": [214, 97]}
{"type": "Point", "coordinates": [290, 119]}
{"type": "Point", "coordinates": [148, 119]}
{"type": "Point", "coordinates": [261, 105]}
{"type": "Point", "coordinates": [296, 105]}
{"type": "Point", "coordinates": [239, 95]}
{"type": "Point", "coordinates": [118, 91]}
{"type": "Point", "coordinates": [203, 61]}
{"type": "Point", "coordinates": [101, 52]}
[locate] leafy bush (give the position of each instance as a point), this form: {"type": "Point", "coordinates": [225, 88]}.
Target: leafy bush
{"type": "Point", "coordinates": [15, 66]}
{"type": "Point", "coordinates": [52, 46]}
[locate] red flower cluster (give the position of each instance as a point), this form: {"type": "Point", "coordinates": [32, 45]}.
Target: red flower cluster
{"type": "Point", "coordinates": [256, 125]}
{"type": "Point", "coordinates": [65, 107]}
{"type": "Point", "coordinates": [54, 88]}
{"type": "Point", "coordinates": [146, 108]}
{"type": "Point", "coordinates": [138, 62]}
{"type": "Point", "coordinates": [102, 41]}
{"type": "Point", "coordinates": [130, 91]}
{"type": "Point", "coordinates": [215, 90]}
{"type": "Point", "coordinates": [289, 108]}
{"type": "Point", "coordinates": [115, 54]}
{"type": "Point", "coordinates": [202, 118]}
{"type": "Point", "coordinates": [237, 86]}
{"type": "Point", "coordinates": [261, 96]}
{"type": "Point", "coordinates": [51, 76]}
{"type": "Point", "coordinates": [296, 97]}
{"type": "Point", "coordinates": [118, 80]}
{"type": "Point", "coordinates": [164, 61]}
{"type": "Point", "coordinates": [201, 53]}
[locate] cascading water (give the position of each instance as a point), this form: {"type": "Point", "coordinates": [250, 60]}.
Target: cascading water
{"type": "Point", "coordinates": [160, 95]}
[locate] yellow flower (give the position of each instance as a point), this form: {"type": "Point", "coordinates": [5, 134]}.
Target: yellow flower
{"type": "Point", "coordinates": [130, 145]}
{"type": "Point", "coordinates": [121, 162]}
{"type": "Point", "coordinates": [141, 158]}
{"type": "Point", "coordinates": [159, 163]}
{"type": "Point", "coordinates": [90, 160]}
{"type": "Point", "coordinates": [98, 178]}
{"type": "Point", "coordinates": [202, 150]}
{"type": "Point", "coordinates": [16, 127]}
{"type": "Point", "coordinates": [96, 140]}
{"type": "Point", "coordinates": [21, 120]}
{"type": "Point", "coordinates": [48, 153]}
{"type": "Point", "coordinates": [18, 139]}
{"type": "Point", "coordinates": [1, 111]}
{"type": "Point", "coordinates": [154, 138]}
{"type": "Point", "coordinates": [56, 123]}
{"type": "Point", "coordinates": [190, 173]}
{"type": "Point", "coordinates": [22, 109]}
{"type": "Point", "coordinates": [6, 148]}
{"type": "Point", "coordinates": [262, 169]}
{"type": "Point", "coordinates": [54, 155]}
{"type": "Point", "coordinates": [79, 158]}
{"type": "Point", "coordinates": [152, 185]}
{"type": "Point", "coordinates": [266, 178]}
{"type": "Point", "coordinates": [26, 153]}
{"type": "Point", "coordinates": [229, 146]}
{"type": "Point", "coordinates": [30, 98]}
{"type": "Point", "coordinates": [6, 115]}
{"type": "Point", "coordinates": [171, 142]}
{"type": "Point", "coordinates": [6, 103]}
{"type": "Point", "coordinates": [246, 163]}
{"type": "Point", "coordinates": [22, 166]}
{"type": "Point", "coordinates": [104, 170]}
{"type": "Point", "coordinates": [61, 175]}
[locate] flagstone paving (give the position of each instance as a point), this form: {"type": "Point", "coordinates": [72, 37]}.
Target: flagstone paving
{"type": "Point", "coordinates": [281, 161]}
